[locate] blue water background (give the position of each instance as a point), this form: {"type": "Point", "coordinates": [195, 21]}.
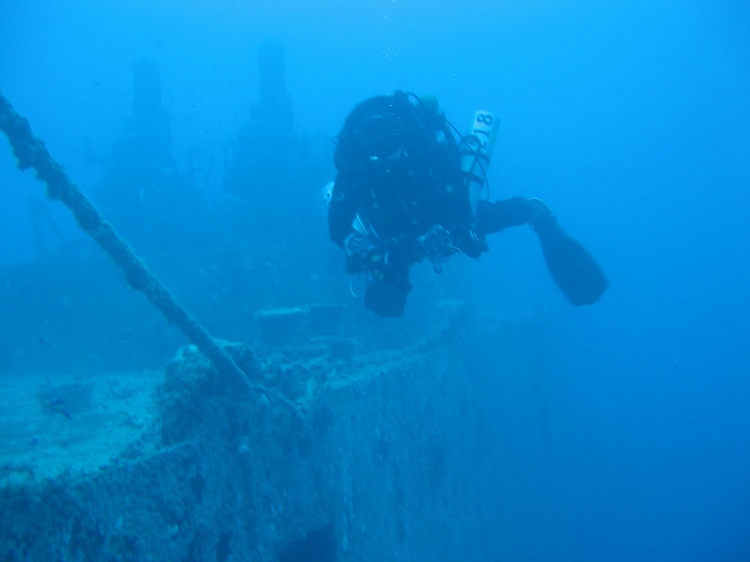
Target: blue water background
{"type": "Point", "coordinates": [632, 120]}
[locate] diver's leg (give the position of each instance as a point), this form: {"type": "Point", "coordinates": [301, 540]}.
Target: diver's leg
{"type": "Point", "coordinates": [498, 215]}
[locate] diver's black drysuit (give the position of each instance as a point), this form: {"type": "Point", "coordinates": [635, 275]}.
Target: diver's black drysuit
{"type": "Point", "coordinates": [401, 196]}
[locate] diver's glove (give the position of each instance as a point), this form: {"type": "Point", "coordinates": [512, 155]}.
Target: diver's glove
{"type": "Point", "coordinates": [468, 242]}
{"type": "Point", "coordinates": [385, 265]}
{"type": "Point", "coordinates": [434, 242]}
{"type": "Point", "coordinates": [439, 243]}
{"type": "Point", "coordinates": [358, 250]}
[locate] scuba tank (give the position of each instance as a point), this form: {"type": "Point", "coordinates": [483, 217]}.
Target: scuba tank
{"type": "Point", "coordinates": [476, 148]}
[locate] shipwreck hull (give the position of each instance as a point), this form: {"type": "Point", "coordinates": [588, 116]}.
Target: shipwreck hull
{"type": "Point", "coordinates": [348, 454]}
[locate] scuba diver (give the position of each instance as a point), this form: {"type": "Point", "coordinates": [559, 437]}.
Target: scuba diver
{"type": "Point", "coordinates": [409, 190]}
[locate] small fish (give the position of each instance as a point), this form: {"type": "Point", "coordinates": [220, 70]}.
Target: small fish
{"type": "Point", "coordinates": [97, 83]}
{"type": "Point", "coordinates": [63, 412]}
{"type": "Point", "coordinates": [55, 404]}
{"type": "Point", "coordinates": [45, 342]}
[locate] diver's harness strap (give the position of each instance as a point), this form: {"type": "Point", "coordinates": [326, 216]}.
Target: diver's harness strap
{"type": "Point", "coordinates": [481, 161]}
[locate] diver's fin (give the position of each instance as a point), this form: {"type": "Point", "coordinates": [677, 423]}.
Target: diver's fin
{"type": "Point", "coordinates": [572, 267]}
